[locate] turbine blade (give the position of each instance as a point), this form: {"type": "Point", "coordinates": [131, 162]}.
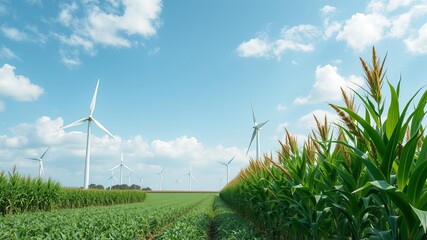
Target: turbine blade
{"type": "Point", "coordinates": [193, 177]}
{"type": "Point", "coordinates": [35, 159]}
{"type": "Point", "coordinates": [253, 114]}
{"type": "Point", "coordinates": [103, 128]}
{"type": "Point", "coordinates": [259, 126]}
{"type": "Point", "coordinates": [252, 139]}
{"type": "Point", "coordinates": [78, 122]}
{"type": "Point", "coordinates": [128, 168]}
{"type": "Point", "coordinates": [231, 160]}
{"type": "Point", "coordinates": [44, 153]}
{"type": "Point", "coordinates": [114, 168]}
{"type": "Point", "coordinates": [222, 163]}
{"type": "Point", "coordinates": [93, 103]}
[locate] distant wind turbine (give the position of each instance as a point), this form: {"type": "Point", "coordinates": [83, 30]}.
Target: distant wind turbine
{"type": "Point", "coordinates": [112, 178]}
{"type": "Point", "coordinates": [121, 165]}
{"type": "Point", "coordinates": [161, 178]}
{"type": "Point", "coordinates": [141, 180]}
{"type": "Point", "coordinates": [89, 119]}
{"type": "Point", "coordinates": [220, 182]}
{"type": "Point", "coordinates": [40, 159]}
{"type": "Point", "coordinates": [257, 128]}
{"type": "Point", "coordinates": [226, 164]}
{"type": "Point", "coordinates": [177, 183]}
{"type": "Point", "coordinates": [190, 175]}
{"type": "Point", "coordinates": [129, 178]}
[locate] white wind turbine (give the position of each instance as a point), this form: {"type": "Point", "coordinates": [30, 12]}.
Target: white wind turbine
{"type": "Point", "coordinates": [226, 164]}
{"type": "Point", "coordinates": [129, 179]}
{"type": "Point", "coordinates": [112, 178]}
{"type": "Point", "coordinates": [89, 119]}
{"type": "Point", "coordinates": [121, 165]}
{"type": "Point", "coordinates": [161, 178]}
{"type": "Point", "coordinates": [220, 182]}
{"type": "Point", "coordinates": [141, 181]}
{"type": "Point", "coordinates": [190, 175]}
{"type": "Point", "coordinates": [177, 183]}
{"type": "Point", "coordinates": [40, 159]}
{"type": "Point", "coordinates": [257, 128]}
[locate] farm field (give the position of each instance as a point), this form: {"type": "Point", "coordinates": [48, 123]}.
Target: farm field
{"type": "Point", "coordinates": [161, 216]}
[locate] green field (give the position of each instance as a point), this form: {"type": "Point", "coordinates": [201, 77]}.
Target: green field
{"type": "Point", "coordinates": [160, 216]}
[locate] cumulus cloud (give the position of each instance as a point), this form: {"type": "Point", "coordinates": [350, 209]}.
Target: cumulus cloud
{"type": "Point", "coordinates": [106, 26]}
{"type": "Point", "coordinates": [65, 160]}
{"type": "Point", "coordinates": [327, 85]}
{"type": "Point", "coordinates": [297, 38]}
{"type": "Point", "coordinates": [363, 30]}
{"type": "Point", "coordinates": [327, 9]}
{"type": "Point", "coordinates": [417, 43]}
{"type": "Point", "coordinates": [17, 87]}
{"type": "Point", "coordinates": [255, 47]}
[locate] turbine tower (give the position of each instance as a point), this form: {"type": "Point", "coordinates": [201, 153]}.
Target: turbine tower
{"type": "Point", "coordinates": [141, 180]}
{"type": "Point", "coordinates": [226, 164]}
{"type": "Point", "coordinates": [257, 128]}
{"type": "Point", "coordinates": [121, 165]}
{"type": "Point", "coordinates": [89, 119]}
{"type": "Point", "coordinates": [161, 178]}
{"type": "Point", "coordinates": [190, 175]}
{"type": "Point", "coordinates": [40, 159]}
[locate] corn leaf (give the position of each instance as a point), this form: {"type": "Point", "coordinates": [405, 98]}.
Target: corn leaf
{"type": "Point", "coordinates": [393, 112]}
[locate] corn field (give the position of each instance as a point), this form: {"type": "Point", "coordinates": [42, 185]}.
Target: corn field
{"type": "Point", "coordinates": [364, 178]}
{"type": "Point", "coordinates": [20, 194]}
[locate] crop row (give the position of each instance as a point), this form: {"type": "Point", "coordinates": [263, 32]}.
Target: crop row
{"type": "Point", "coordinates": [130, 221]}
{"type": "Point", "coordinates": [364, 178]}
{"type": "Point", "coordinates": [20, 194]}
{"type": "Point", "coordinates": [231, 226]}
{"type": "Point", "coordinates": [194, 225]}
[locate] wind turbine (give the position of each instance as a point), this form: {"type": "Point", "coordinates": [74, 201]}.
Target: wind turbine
{"type": "Point", "coordinates": [129, 178]}
{"type": "Point", "coordinates": [161, 178]}
{"type": "Point", "coordinates": [226, 164]}
{"type": "Point", "coordinates": [177, 183]}
{"type": "Point", "coordinates": [89, 119]}
{"type": "Point", "coordinates": [121, 165]}
{"type": "Point", "coordinates": [40, 159]}
{"type": "Point", "coordinates": [220, 182]}
{"type": "Point", "coordinates": [112, 178]}
{"type": "Point", "coordinates": [257, 128]}
{"type": "Point", "coordinates": [190, 175]}
{"type": "Point", "coordinates": [141, 180]}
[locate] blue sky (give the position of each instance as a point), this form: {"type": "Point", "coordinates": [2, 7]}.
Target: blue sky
{"type": "Point", "coordinates": [177, 78]}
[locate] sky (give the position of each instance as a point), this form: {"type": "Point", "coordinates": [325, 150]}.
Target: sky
{"type": "Point", "coordinates": [177, 79]}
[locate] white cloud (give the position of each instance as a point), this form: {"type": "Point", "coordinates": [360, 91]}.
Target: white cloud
{"type": "Point", "coordinates": [106, 27]}
{"type": "Point", "coordinates": [6, 53]}
{"type": "Point", "coordinates": [281, 107]}
{"type": "Point", "coordinates": [401, 24]}
{"type": "Point", "coordinates": [363, 30]}
{"type": "Point", "coordinates": [308, 121]}
{"type": "Point", "coordinates": [330, 28]}
{"type": "Point", "coordinates": [327, 85]}
{"type": "Point", "coordinates": [17, 87]}
{"type": "Point", "coordinates": [255, 47]}
{"type": "Point", "coordinates": [297, 38]}
{"type": "Point", "coordinates": [326, 10]}
{"type": "Point", "coordinates": [14, 34]}
{"type": "Point", "coordinates": [395, 4]}
{"type": "Point", "coordinates": [65, 160]}
{"type": "Point", "coordinates": [417, 44]}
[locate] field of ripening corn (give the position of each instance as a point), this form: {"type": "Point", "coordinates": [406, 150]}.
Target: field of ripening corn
{"type": "Point", "coordinates": [361, 178]}
{"type": "Point", "coordinates": [364, 177]}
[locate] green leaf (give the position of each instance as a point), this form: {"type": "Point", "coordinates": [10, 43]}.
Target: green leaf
{"type": "Point", "coordinates": [393, 112]}
{"type": "Point", "coordinates": [422, 216]}
{"type": "Point", "coordinates": [406, 160]}
{"type": "Point", "coordinates": [416, 183]}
